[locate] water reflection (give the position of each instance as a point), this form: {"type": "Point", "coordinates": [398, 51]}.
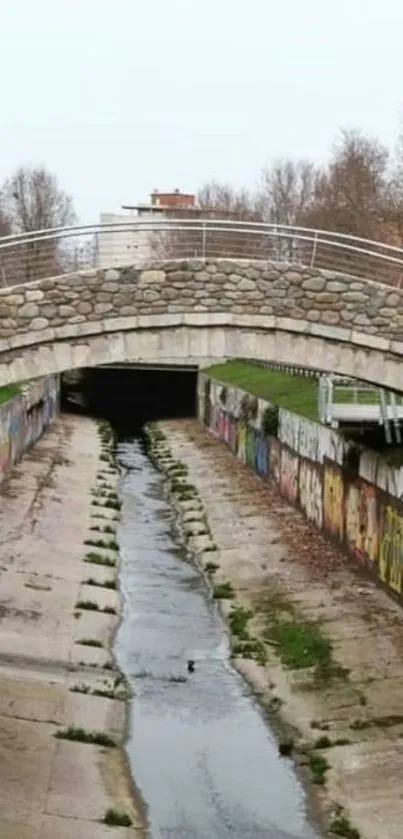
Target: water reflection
{"type": "Point", "coordinates": [200, 752]}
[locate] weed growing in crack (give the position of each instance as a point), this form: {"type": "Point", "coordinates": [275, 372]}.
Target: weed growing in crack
{"type": "Point", "coordinates": [81, 735]}
{"type": "Point", "coordinates": [319, 767]}
{"type": "Point", "coordinates": [111, 584]}
{"type": "Point", "coordinates": [87, 604]}
{"type": "Point", "coordinates": [238, 620]}
{"type": "Point", "coordinates": [109, 544]}
{"type": "Point", "coordinates": [114, 818]}
{"type": "Point", "coordinates": [341, 826]}
{"type": "Point", "coordinates": [223, 591]}
{"type": "Point", "coordinates": [98, 559]}
{"type": "Point", "coordinates": [211, 567]}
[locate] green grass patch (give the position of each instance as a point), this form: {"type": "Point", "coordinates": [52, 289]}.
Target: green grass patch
{"type": "Point", "coordinates": [300, 645]}
{"type": "Point", "coordinates": [9, 391]}
{"type": "Point", "coordinates": [294, 392]}
{"type": "Point", "coordinates": [80, 735]}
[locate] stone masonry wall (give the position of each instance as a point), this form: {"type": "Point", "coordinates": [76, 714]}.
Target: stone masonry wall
{"type": "Point", "coordinates": [250, 288]}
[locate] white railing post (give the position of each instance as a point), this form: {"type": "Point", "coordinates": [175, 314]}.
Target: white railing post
{"type": "Point", "coordinates": [204, 240]}
{"type": "Point", "coordinates": [315, 245]}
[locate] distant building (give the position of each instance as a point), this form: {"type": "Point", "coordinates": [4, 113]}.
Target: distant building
{"type": "Point", "coordinates": [131, 244]}
{"type": "Point", "coordinates": [128, 244]}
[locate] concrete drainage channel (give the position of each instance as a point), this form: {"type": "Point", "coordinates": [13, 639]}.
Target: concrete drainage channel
{"type": "Point", "coordinates": [205, 760]}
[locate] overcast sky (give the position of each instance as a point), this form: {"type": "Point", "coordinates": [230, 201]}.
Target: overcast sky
{"type": "Point", "coordinates": [118, 97]}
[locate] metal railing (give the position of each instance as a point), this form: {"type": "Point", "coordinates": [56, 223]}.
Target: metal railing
{"type": "Point", "coordinates": [26, 257]}
{"type": "Point", "coordinates": [345, 401]}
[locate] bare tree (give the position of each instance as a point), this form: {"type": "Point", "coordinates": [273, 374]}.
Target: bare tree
{"type": "Point", "coordinates": [352, 197]}
{"type": "Point", "coordinates": [287, 198]}
{"type": "Point", "coordinates": [288, 191]}
{"type": "Point", "coordinates": [394, 213]}
{"type": "Point", "coordinates": [221, 202]}
{"type": "Point", "coordinates": [32, 200]}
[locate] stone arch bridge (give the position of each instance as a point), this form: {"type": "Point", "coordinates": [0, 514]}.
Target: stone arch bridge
{"type": "Point", "coordinates": [201, 311]}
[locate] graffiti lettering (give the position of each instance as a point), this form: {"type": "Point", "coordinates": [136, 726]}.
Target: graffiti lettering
{"type": "Point", "coordinates": [361, 521]}
{"type": "Point", "coordinates": [250, 447]}
{"type": "Point", "coordinates": [288, 429]}
{"type": "Point", "coordinates": [333, 507]}
{"type": "Point", "coordinates": [289, 475]}
{"type": "Point", "coordinates": [261, 455]}
{"type": "Point", "coordinates": [310, 492]}
{"type": "Point", "coordinates": [241, 442]}
{"type": "Point", "coordinates": [275, 459]}
{"type": "Point", "coordinates": [391, 550]}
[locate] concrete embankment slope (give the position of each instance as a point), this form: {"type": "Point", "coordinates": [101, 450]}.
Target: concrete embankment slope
{"type": "Point", "coordinates": [320, 645]}
{"type": "Point", "coordinates": [52, 786]}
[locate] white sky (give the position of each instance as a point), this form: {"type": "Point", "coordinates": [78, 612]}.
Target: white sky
{"type": "Point", "coordinates": [118, 97]}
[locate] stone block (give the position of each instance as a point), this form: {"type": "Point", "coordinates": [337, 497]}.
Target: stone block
{"type": "Point", "coordinates": [28, 310]}
{"type": "Point", "coordinates": [39, 323]}
{"type": "Point", "coordinates": [149, 277]}
{"type": "Point", "coordinates": [314, 284]}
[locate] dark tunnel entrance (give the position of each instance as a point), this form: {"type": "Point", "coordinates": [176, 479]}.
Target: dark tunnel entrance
{"type": "Point", "coordinates": [131, 396]}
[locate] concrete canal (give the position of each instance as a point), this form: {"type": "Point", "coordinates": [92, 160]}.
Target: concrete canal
{"type": "Point", "coordinates": [201, 754]}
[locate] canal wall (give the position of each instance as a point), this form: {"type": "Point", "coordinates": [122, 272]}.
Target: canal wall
{"type": "Point", "coordinates": [24, 418]}
{"type": "Point", "coordinates": [354, 496]}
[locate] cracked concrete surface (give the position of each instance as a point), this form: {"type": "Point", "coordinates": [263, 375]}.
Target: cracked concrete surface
{"type": "Point", "coordinates": [51, 787]}
{"type": "Point", "coordinates": [252, 525]}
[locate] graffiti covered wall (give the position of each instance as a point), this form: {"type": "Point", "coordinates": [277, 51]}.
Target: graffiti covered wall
{"type": "Point", "coordinates": [361, 511]}
{"type": "Point", "coordinates": [24, 418]}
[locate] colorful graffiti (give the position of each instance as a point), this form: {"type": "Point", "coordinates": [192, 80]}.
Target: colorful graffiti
{"type": "Point", "coordinates": [23, 420]}
{"type": "Point", "coordinates": [365, 517]}
{"type": "Point", "coordinates": [311, 492]}
{"type": "Point", "coordinates": [275, 459]}
{"type": "Point", "coordinates": [333, 501]}
{"type": "Point", "coordinates": [391, 549]}
{"type": "Point", "coordinates": [362, 521]}
{"type": "Point", "coordinates": [289, 475]}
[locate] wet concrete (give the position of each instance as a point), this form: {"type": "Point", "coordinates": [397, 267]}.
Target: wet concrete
{"type": "Point", "coordinates": [201, 754]}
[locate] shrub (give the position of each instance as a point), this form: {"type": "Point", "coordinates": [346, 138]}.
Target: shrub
{"type": "Point", "coordinates": [270, 421]}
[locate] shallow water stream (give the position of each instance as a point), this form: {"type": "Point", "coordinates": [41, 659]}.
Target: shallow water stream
{"type": "Point", "coordinates": [202, 756]}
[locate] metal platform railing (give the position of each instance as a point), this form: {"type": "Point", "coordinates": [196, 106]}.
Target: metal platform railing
{"type": "Point", "coordinates": [27, 257]}
{"type": "Point", "coordinates": [345, 401]}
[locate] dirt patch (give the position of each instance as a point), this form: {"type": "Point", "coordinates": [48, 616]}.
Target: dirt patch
{"type": "Point", "coordinates": [322, 645]}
